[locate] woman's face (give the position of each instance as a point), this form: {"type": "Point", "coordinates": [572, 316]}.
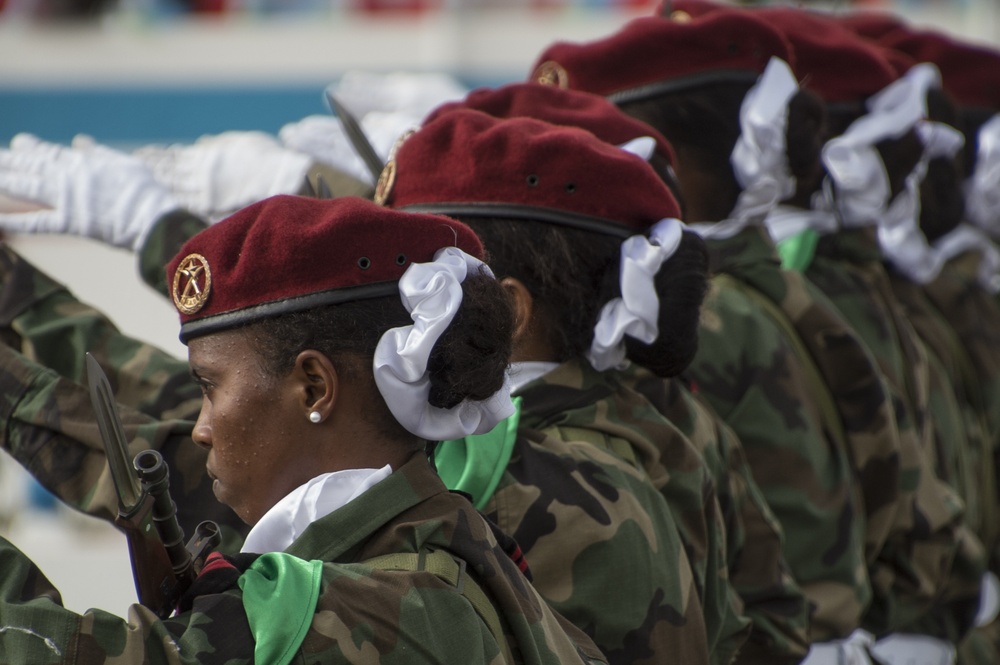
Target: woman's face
{"type": "Point", "coordinates": [249, 423]}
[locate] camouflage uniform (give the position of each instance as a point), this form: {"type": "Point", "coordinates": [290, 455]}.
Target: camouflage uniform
{"type": "Point", "coordinates": [959, 438]}
{"type": "Point", "coordinates": [758, 572]}
{"type": "Point", "coordinates": [847, 269]}
{"type": "Point", "coordinates": [576, 422]}
{"type": "Point", "coordinates": [757, 386]}
{"type": "Point", "coordinates": [974, 316]}
{"type": "Point", "coordinates": [363, 614]}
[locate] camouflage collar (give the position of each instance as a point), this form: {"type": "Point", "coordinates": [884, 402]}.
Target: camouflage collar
{"type": "Point", "coordinates": [338, 535]}
{"type": "Point", "coordinates": [750, 246]}
{"type": "Point", "coordinates": [851, 245]}
{"type": "Point", "coordinates": [572, 385]}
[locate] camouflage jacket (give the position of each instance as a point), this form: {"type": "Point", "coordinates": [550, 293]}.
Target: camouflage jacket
{"type": "Point", "coordinates": [847, 268]}
{"type": "Point", "coordinates": [974, 316]}
{"type": "Point", "coordinates": [749, 371]}
{"type": "Point", "coordinates": [758, 572]}
{"type": "Point", "coordinates": [960, 449]}
{"type": "Point", "coordinates": [580, 497]}
{"type": "Point", "coordinates": [362, 615]}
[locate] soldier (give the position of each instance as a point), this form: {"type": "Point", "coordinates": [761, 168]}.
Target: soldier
{"type": "Point", "coordinates": [690, 80]}
{"type": "Point", "coordinates": [757, 569]}
{"type": "Point", "coordinates": [281, 420]}
{"type": "Point", "coordinates": [553, 205]}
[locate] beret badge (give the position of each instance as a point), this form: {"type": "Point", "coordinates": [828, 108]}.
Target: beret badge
{"type": "Point", "coordinates": [192, 284]}
{"type": "Point", "coordinates": [383, 188]}
{"type": "Point", "coordinates": [552, 73]}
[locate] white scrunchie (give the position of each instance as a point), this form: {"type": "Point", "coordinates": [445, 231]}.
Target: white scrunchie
{"type": "Point", "coordinates": [982, 189]}
{"type": "Point", "coordinates": [855, 169]}
{"type": "Point", "coordinates": [432, 293]}
{"type": "Point", "coordinates": [899, 234]}
{"type": "Point", "coordinates": [968, 238]}
{"type": "Point", "coordinates": [636, 312]}
{"type": "Point", "coordinates": [759, 158]}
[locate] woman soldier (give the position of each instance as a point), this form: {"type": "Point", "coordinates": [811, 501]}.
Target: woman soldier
{"type": "Point", "coordinates": [331, 341]}
{"type": "Point", "coordinates": [756, 567]}
{"type": "Point", "coordinates": [557, 208]}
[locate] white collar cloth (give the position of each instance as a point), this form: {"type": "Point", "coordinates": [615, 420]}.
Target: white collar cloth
{"type": "Point", "coordinates": [785, 222]}
{"type": "Point", "coordinates": [286, 520]}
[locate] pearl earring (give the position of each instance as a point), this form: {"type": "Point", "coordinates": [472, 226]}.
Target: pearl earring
{"type": "Point", "coordinates": [315, 417]}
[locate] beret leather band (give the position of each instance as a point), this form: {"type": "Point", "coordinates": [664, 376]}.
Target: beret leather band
{"type": "Point", "coordinates": [269, 310]}
{"type": "Point", "coordinates": [649, 90]}
{"type": "Point", "coordinates": [528, 213]}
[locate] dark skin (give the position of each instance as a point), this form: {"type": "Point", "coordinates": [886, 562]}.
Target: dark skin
{"type": "Point", "coordinates": [261, 443]}
{"type": "Point", "coordinates": [531, 339]}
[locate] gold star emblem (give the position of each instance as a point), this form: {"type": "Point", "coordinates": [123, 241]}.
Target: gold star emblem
{"type": "Point", "coordinates": [192, 284]}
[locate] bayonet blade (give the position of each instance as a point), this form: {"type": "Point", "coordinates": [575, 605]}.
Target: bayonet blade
{"type": "Point", "coordinates": [356, 135]}
{"type": "Point", "coordinates": [113, 436]}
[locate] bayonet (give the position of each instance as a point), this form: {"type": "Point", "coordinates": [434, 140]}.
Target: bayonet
{"type": "Point", "coordinates": [359, 140]}
{"type": "Point", "coordinates": [162, 566]}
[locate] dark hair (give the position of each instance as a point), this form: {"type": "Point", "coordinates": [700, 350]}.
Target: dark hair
{"type": "Point", "coordinates": [702, 124]}
{"type": "Point", "coordinates": [805, 135]}
{"type": "Point", "coordinates": [469, 361]}
{"type": "Point", "coordinates": [572, 273]}
{"type": "Point", "coordinates": [900, 156]}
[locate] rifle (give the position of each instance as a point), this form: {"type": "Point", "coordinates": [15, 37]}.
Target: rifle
{"type": "Point", "coordinates": [163, 567]}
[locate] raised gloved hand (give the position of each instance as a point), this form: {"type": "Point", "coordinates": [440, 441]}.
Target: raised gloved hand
{"type": "Point", "coordinates": [87, 189]}
{"type": "Point", "coordinates": [219, 174]}
{"type": "Point", "coordinates": [323, 137]}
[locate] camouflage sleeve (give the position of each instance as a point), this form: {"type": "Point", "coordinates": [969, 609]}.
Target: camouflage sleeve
{"type": "Point", "coordinates": [46, 323]}
{"type": "Point", "coordinates": [757, 386]}
{"type": "Point", "coordinates": [361, 616]}
{"type": "Point", "coordinates": [758, 572]}
{"type": "Point", "coordinates": [603, 549]}
{"type": "Point", "coordinates": [48, 426]}
{"type": "Point", "coordinates": [165, 239]}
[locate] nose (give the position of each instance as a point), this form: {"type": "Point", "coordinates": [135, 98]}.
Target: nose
{"type": "Point", "coordinates": [202, 432]}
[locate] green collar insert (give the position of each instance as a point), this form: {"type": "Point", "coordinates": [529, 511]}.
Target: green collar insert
{"type": "Point", "coordinates": [476, 463]}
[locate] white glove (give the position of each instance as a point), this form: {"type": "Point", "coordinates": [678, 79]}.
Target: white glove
{"type": "Point", "coordinates": [88, 190]}
{"type": "Point", "coordinates": [220, 174]}
{"type": "Point", "coordinates": [323, 137]}
{"type": "Point", "coordinates": [415, 93]}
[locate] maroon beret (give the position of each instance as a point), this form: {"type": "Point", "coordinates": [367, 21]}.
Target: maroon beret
{"type": "Point", "coordinates": [469, 164]}
{"type": "Point", "coordinates": [652, 55]}
{"type": "Point", "coordinates": [557, 106]}
{"type": "Point", "coordinates": [969, 73]}
{"type": "Point", "coordinates": [292, 253]}
{"type": "Point", "coordinates": [870, 25]}
{"type": "Point", "coordinates": [830, 60]}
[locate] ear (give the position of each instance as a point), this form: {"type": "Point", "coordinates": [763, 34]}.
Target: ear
{"type": "Point", "coordinates": [523, 305]}
{"type": "Point", "coordinates": [318, 383]}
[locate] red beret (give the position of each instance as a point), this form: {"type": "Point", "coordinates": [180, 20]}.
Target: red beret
{"type": "Point", "coordinates": [830, 60]}
{"type": "Point", "coordinates": [292, 253]}
{"type": "Point", "coordinates": [970, 74]}
{"type": "Point", "coordinates": [466, 163]}
{"type": "Point", "coordinates": [870, 25]}
{"type": "Point", "coordinates": [557, 106]}
{"type": "Point", "coordinates": [652, 55]}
